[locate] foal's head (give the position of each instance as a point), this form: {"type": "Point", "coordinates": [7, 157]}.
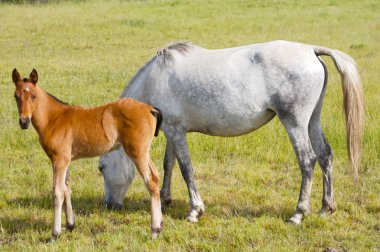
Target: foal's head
{"type": "Point", "coordinates": [25, 96]}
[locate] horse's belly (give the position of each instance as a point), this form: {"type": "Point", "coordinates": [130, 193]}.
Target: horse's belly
{"type": "Point", "coordinates": [230, 124]}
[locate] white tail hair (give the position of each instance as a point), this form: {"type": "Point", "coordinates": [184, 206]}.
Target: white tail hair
{"type": "Point", "coordinates": [353, 102]}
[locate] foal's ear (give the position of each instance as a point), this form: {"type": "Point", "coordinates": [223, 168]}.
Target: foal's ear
{"type": "Point", "coordinates": [15, 76]}
{"type": "Point", "coordinates": [33, 77]}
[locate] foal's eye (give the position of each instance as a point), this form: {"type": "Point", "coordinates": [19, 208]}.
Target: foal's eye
{"type": "Point", "coordinates": [33, 97]}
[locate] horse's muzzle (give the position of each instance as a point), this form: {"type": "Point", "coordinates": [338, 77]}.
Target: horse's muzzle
{"type": "Point", "coordinates": [24, 122]}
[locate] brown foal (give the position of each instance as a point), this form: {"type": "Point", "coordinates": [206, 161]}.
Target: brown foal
{"type": "Point", "coordinates": [70, 132]}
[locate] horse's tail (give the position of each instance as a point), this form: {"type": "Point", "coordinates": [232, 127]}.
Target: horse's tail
{"type": "Point", "coordinates": [353, 101]}
{"type": "Point", "coordinates": [157, 113]}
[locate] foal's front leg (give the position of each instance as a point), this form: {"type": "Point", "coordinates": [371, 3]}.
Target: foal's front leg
{"type": "Point", "coordinates": [60, 165]}
{"type": "Point", "coordinates": [70, 224]}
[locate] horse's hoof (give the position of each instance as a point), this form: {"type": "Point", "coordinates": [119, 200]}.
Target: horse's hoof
{"type": "Point", "coordinates": [114, 206]}
{"type": "Point", "coordinates": [109, 206]}
{"type": "Point", "coordinates": [296, 219]}
{"type": "Point", "coordinates": [52, 239]}
{"type": "Point", "coordinates": [193, 216]}
{"type": "Point", "coordinates": [326, 211]}
{"type": "Point", "coordinates": [192, 219]}
{"type": "Point", "coordinates": [195, 212]}
{"type": "Point", "coordinates": [167, 201]}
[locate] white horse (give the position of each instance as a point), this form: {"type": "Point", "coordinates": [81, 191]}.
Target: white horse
{"type": "Point", "coordinates": [234, 91]}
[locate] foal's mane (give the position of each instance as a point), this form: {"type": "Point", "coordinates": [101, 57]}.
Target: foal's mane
{"type": "Point", "coordinates": [58, 100]}
{"type": "Point", "coordinates": [52, 96]}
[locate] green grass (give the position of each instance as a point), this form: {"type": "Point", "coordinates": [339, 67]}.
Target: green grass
{"type": "Point", "coordinates": [85, 52]}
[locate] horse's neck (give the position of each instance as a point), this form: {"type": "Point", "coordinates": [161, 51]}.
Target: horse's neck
{"type": "Point", "coordinates": [46, 109]}
{"type": "Point", "coordinates": [136, 87]}
{"type": "Point", "coordinates": [133, 89]}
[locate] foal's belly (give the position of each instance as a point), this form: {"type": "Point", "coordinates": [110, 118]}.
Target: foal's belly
{"type": "Point", "coordinates": [92, 148]}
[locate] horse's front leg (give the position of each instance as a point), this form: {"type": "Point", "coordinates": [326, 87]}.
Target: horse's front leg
{"type": "Point", "coordinates": [169, 162]}
{"type": "Point", "coordinates": [179, 143]}
{"type": "Point", "coordinates": [60, 165]}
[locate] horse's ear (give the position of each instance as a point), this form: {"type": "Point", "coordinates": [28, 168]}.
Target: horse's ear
{"type": "Point", "coordinates": [15, 76]}
{"type": "Point", "coordinates": [33, 77]}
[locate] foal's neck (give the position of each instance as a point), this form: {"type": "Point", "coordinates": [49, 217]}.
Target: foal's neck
{"type": "Point", "coordinates": [47, 108]}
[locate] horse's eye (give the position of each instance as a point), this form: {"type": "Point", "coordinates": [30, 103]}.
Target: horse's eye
{"type": "Point", "coordinates": [33, 97]}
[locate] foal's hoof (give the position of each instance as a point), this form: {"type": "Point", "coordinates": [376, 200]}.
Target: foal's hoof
{"type": "Point", "coordinates": [296, 219]}
{"type": "Point", "coordinates": [156, 232]}
{"type": "Point", "coordinates": [70, 227]}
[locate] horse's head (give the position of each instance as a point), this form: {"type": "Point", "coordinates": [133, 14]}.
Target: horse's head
{"type": "Point", "coordinates": [25, 95]}
{"type": "Point", "coordinates": [118, 173]}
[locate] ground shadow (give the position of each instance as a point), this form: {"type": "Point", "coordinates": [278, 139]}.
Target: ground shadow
{"type": "Point", "coordinates": [87, 205]}
{"type": "Point", "coordinates": [14, 225]}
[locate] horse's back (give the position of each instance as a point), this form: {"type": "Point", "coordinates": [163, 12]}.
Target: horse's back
{"type": "Point", "coordinates": [212, 90]}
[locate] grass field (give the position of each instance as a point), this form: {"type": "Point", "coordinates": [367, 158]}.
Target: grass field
{"type": "Point", "coordinates": [85, 53]}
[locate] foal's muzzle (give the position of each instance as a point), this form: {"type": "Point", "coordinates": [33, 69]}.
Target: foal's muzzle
{"type": "Point", "coordinates": [24, 122]}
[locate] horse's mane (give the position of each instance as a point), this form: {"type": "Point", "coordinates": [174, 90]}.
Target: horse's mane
{"type": "Point", "coordinates": [166, 54]}
{"type": "Point", "coordinates": [163, 57]}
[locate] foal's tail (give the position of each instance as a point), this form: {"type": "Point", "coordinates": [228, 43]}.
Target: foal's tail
{"type": "Point", "coordinates": [353, 101]}
{"type": "Point", "coordinates": [157, 113]}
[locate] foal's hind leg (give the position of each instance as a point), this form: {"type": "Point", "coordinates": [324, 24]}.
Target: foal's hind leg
{"type": "Point", "coordinates": [298, 134]}
{"type": "Point", "coordinates": [152, 182]}
{"type": "Point", "coordinates": [169, 162]}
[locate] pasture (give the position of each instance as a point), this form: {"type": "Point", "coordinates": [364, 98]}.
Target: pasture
{"type": "Point", "coordinates": [85, 53]}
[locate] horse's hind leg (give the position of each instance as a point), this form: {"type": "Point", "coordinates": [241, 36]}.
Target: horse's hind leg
{"type": "Point", "coordinates": [324, 153]}
{"type": "Point", "coordinates": [325, 157]}
{"type": "Point", "coordinates": [298, 134]}
{"type": "Point", "coordinates": [67, 204]}
{"type": "Point", "coordinates": [169, 162]}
